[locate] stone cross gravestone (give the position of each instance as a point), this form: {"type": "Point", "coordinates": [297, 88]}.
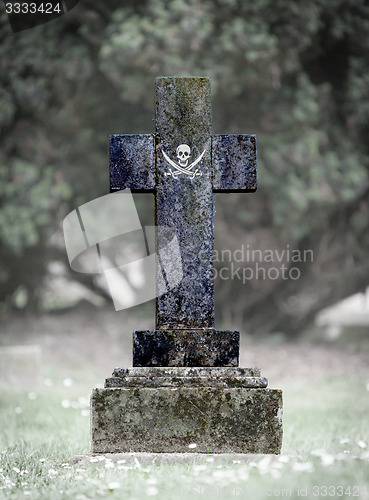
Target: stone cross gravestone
{"type": "Point", "coordinates": [185, 386]}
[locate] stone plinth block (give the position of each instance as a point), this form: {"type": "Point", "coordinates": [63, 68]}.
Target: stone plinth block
{"type": "Point", "coordinates": [167, 419]}
{"type": "Point", "coordinates": [205, 347]}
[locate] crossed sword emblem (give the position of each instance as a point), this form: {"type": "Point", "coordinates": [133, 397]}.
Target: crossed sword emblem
{"type": "Point", "coordinates": [183, 170]}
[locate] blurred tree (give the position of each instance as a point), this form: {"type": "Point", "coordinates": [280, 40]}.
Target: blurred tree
{"type": "Point", "coordinates": [296, 74]}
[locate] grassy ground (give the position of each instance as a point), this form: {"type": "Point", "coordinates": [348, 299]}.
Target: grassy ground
{"type": "Point", "coordinates": [325, 425]}
{"type": "Point", "coordinates": [326, 432]}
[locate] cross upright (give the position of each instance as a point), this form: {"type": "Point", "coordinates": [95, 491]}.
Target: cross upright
{"type": "Point", "coordinates": [183, 164]}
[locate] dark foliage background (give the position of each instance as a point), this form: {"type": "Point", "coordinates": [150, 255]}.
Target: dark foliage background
{"type": "Point", "coordinates": [294, 73]}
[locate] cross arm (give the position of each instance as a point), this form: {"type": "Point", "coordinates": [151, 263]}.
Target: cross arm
{"type": "Point", "coordinates": [132, 162]}
{"type": "Point", "coordinates": [234, 163]}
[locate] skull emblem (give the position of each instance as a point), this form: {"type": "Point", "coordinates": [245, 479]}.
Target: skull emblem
{"type": "Point", "coordinates": [183, 154]}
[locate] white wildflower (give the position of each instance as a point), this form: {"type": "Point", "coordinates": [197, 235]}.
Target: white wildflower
{"type": "Point", "coordinates": [275, 473]}
{"type": "Point", "coordinates": [114, 485]}
{"type": "Point", "coordinates": [84, 402]}
{"type": "Point", "coordinates": [67, 382]}
{"type": "Point", "coordinates": [199, 467]}
{"type": "Point", "coordinates": [243, 474]}
{"type": "Point", "coordinates": [303, 467]}
{"type": "Point", "coordinates": [192, 446]}
{"type": "Point", "coordinates": [152, 491]}
{"type": "Point", "coordinates": [264, 464]}
{"type": "Point", "coordinates": [327, 460]}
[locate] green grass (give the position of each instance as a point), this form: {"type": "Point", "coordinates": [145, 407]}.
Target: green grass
{"type": "Point", "coordinates": [325, 430]}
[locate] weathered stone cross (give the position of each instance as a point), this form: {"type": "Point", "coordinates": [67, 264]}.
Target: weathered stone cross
{"type": "Point", "coordinates": [183, 164]}
{"type": "Point", "coordinates": [185, 390]}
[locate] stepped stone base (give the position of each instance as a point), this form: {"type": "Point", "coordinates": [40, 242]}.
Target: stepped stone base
{"type": "Point", "coordinates": [165, 410]}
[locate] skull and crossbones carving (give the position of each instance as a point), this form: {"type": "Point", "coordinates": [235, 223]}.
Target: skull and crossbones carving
{"type": "Point", "coordinates": [183, 153]}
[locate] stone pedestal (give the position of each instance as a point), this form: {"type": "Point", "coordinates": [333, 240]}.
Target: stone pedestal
{"type": "Point", "coordinates": [165, 410]}
{"type": "Point", "coordinates": [196, 347]}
